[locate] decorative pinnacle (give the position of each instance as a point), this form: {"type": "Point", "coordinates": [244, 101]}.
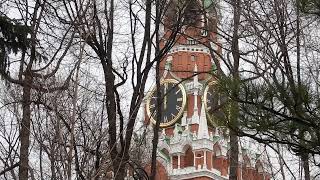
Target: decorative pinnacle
{"type": "Point", "coordinates": [168, 63]}
{"type": "Point", "coordinates": [195, 78]}
{"type": "Point", "coordinates": [195, 116]}
{"type": "Point", "coordinates": [203, 132]}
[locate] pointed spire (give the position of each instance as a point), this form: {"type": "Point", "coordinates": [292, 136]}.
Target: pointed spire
{"type": "Point", "coordinates": [167, 66]}
{"type": "Point", "coordinates": [195, 105]}
{"type": "Point", "coordinates": [184, 120]}
{"type": "Point", "coordinates": [216, 131]}
{"type": "Point", "coordinates": [203, 132]}
{"type": "Point", "coordinates": [186, 131]}
{"type": "Point", "coordinates": [163, 134]}
{"type": "Point", "coordinates": [187, 127]}
{"type": "Point", "coordinates": [195, 116]}
{"type": "Point", "coordinates": [177, 129]}
{"type": "Point", "coordinates": [195, 78]}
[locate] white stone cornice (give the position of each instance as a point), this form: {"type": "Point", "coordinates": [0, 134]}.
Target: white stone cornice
{"type": "Point", "coordinates": [192, 172]}
{"type": "Point", "coordinates": [202, 144]}
{"type": "Point", "coordinates": [190, 48]}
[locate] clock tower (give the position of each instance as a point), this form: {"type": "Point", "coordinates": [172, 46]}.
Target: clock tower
{"type": "Point", "coordinates": [192, 143]}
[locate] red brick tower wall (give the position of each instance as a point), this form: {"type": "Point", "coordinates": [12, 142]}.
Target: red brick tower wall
{"type": "Point", "coordinates": [161, 171]}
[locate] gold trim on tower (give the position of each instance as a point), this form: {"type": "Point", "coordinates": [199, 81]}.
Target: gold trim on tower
{"type": "Point", "coordinates": [210, 117]}
{"type": "Point", "coordinates": [180, 112]}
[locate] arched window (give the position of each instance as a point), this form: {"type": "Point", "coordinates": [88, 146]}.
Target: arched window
{"type": "Point", "coordinates": [175, 162]}
{"type": "Point", "coordinates": [165, 153]}
{"type": "Point", "coordinates": [259, 166]}
{"type": "Point", "coordinates": [188, 158]}
{"type": "Point", "coordinates": [193, 58]}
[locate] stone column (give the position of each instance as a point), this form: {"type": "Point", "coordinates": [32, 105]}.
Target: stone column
{"type": "Point", "coordinates": [179, 158]}
{"type": "Point", "coordinates": [194, 159]}
{"type": "Point", "coordinates": [204, 159]}
{"type": "Point", "coordinates": [171, 163]}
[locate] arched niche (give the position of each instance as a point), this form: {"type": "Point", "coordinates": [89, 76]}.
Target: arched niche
{"type": "Point", "coordinates": [217, 158]}
{"type": "Point", "coordinates": [188, 158]}
{"type": "Point", "coordinates": [259, 166]}
{"type": "Point", "coordinates": [217, 150]}
{"type": "Point", "coordinates": [246, 161]}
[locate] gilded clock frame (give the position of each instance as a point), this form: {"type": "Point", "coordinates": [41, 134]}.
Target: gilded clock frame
{"type": "Point", "coordinates": [184, 102]}
{"type": "Point", "coordinates": [205, 96]}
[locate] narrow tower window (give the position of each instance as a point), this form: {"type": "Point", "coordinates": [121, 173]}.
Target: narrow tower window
{"type": "Point", "coordinates": [193, 58]}
{"type": "Point", "coordinates": [191, 41]}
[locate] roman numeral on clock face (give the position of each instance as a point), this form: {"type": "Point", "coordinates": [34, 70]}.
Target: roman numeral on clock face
{"type": "Point", "coordinates": [172, 115]}
{"type": "Point", "coordinates": [177, 92]}
{"type": "Point", "coordinates": [165, 119]}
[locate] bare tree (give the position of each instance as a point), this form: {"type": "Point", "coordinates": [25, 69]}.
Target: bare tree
{"type": "Point", "coordinates": [38, 60]}
{"type": "Point", "coordinates": [97, 28]}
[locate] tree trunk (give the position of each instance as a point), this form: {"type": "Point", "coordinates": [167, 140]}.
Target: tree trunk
{"type": "Point", "coordinates": [234, 141]}
{"type": "Point", "coordinates": [280, 156]}
{"type": "Point", "coordinates": [155, 139]}
{"type": "Point", "coordinates": [233, 155]}
{"type": "Point", "coordinates": [52, 168]}
{"type": "Point", "coordinates": [305, 164]}
{"type": "Point", "coordinates": [119, 169]}
{"type": "Point", "coordinates": [234, 148]}
{"type": "Point", "coordinates": [25, 128]}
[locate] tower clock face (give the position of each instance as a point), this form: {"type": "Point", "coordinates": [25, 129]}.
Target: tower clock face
{"type": "Point", "coordinates": [173, 101]}
{"type": "Point", "coordinates": [215, 104]}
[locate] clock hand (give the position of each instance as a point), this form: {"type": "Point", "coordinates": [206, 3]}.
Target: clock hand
{"type": "Point", "coordinates": [165, 96]}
